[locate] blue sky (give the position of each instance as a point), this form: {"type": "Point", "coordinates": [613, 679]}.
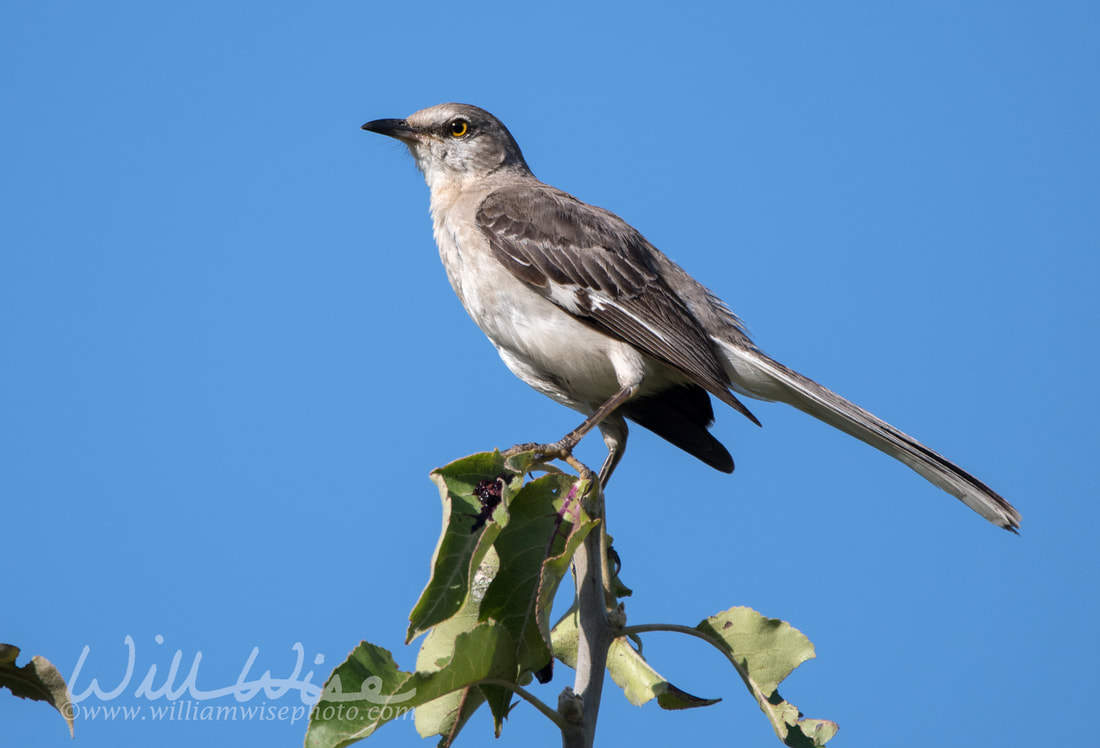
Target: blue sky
{"type": "Point", "coordinates": [229, 356]}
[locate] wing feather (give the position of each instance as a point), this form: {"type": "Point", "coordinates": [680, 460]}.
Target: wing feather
{"type": "Point", "coordinates": [568, 250]}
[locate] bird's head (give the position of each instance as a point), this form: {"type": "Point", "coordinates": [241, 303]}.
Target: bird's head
{"type": "Point", "coordinates": [454, 142]}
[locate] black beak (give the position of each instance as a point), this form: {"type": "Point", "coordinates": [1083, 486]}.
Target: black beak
{"type": "Point", "coordinates": [395, 128]}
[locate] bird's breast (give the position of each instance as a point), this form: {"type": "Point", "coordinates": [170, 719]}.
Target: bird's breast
{"type": "Point", "coordinates": [544, 345]}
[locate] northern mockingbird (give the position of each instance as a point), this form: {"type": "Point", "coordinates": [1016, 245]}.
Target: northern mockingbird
{"type": "Point", "coordinates": [585, 310]}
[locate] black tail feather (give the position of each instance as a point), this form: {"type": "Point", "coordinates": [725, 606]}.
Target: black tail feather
{"type": "Point", "coordinates": [681, 415]}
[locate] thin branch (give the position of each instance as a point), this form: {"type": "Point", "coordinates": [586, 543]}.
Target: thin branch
{"type": "Point", "coordinates": [530, 698]}
{"type": "Point", "coordinates": [642, 628]}
{"type": "Point", "coordinates": [676, 628]}
{"type": "Point", "coordinates": [591, 576]}
{"type": "Point", "coordinates": [594, 632]}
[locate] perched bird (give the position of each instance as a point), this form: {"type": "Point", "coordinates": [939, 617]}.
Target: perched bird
{"type": "Point", "coordinates": [585, 310]}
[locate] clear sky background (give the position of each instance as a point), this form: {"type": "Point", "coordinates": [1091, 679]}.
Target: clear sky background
{"type": "Point", "coordinates": [229, 356]}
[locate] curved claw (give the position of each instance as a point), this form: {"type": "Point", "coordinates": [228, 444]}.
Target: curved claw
{"type": "Point", "coordinates": [559, 450]}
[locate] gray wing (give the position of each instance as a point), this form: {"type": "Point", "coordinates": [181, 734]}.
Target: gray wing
{"type": "Point", "coordinates": [598, 268]}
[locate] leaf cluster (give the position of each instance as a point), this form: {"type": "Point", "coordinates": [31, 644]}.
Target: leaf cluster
{"type": "Point", "coordinates": [506, 544]}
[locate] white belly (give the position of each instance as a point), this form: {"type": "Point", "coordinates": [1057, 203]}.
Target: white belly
{"type": "Point", "coordinates": [542, 344]}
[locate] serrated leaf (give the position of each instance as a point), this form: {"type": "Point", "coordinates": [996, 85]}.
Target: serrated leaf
{"type": "Point", "coordinates": [38, 680]}
{"type": "Point", "coordinates": [465, 539]}
{"type": "Point", "coordinates": [545, 527]}
{"type": "Point", "coordinates": [368, 689]}
{"type": "Point", "coordinates": [764, 651]}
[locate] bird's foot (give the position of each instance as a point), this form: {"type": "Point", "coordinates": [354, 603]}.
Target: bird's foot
{"type": "Point", "coordinates": [559, 450]}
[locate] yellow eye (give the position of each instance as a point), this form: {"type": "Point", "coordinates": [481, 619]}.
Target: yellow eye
{"type": "Point", "coordinates": [459, 128]}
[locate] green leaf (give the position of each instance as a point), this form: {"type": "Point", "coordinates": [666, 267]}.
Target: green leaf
{"type": "Point", "coordinates": [529, 462]}
{"type": "Point", "coordinates": [447, 715]}
{"type": "Point", "coordinates": [38, 680]}
{"type": "Point", "coordinates": [641, 683]}
{"type": "Point", "coordinates": [466, 537]}
{"type": "Point", "coordinates": [339, 719]}
{"type": "Point", "coordinates": [368, 690]}
{"type": "Point", "coordinates": [524, 529]}
{"type": "Point", "coordinates": [630, 671]}
{"type": "Point", "coordinates": [764, 651]}
{"type": "Point", "coordinates": [499, 699]}
{"type": "Point", "coordinates": [558, 562]}
{"type": "Point", "coordinates": [564, 637]}
{"type": "Point", "coordinates": [769, 649]}
{"type": "Point", "coordinates": [546, 525]}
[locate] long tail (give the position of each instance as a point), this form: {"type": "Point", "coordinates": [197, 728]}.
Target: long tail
{"type": "Point", "coordinates": [759, 376]}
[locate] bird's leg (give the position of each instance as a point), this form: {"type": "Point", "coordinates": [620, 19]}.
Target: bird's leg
{"type": "Point", "coordinates": [571, 439]}
{"type": "Point", "coordinates": [563, 448]}
{"type": "Point", "coordinates": [614, 436]}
